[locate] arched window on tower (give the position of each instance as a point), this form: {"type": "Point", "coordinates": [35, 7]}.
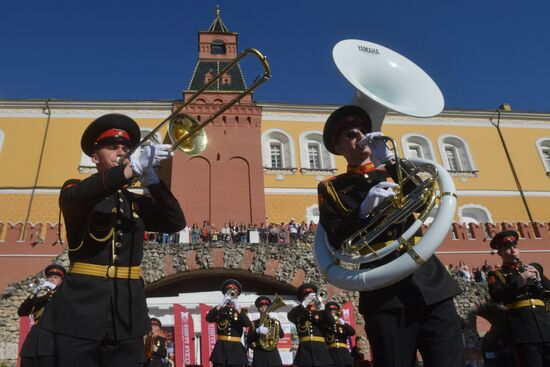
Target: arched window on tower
{"type": "Point", "coordinates": [543, 146]}
{"type": "Point", "coordinates": [456, 156]}
{"type": "Point", "coordinates": [277, 152]}
{"type": "Point", "coordinates": [417, 146]}
{"type": "Point", "coordinates": [217, 47]}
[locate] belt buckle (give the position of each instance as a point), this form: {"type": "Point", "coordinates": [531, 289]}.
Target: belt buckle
{"type": "Point", "coordinates": [111, 271]}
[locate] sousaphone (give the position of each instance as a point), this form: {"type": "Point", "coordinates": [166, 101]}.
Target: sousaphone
{"type": "Point", "coordinates": [385, 80]}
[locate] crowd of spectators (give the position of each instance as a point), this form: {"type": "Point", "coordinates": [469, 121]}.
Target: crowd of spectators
{"type": "Point", "coordinates": [232, 232]}
{"type": "Point", "coordinates": [478, 274]}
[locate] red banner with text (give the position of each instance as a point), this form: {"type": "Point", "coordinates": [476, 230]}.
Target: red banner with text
{"type": "Point", "coordinates": [348, 315]}
{"type": "Point", "coordinates": [208, 336]}
{"type": "Point", "coordinates": [184, 332]}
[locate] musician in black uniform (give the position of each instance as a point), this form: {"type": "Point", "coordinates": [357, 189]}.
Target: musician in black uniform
{"type": "Point", "coordinates": [311, 324]}
{"type": "Point", "coordinates": [99, 315]}
{"type": "Point", "coordinates": [155, 344]}
{"type": "Point", "coordinates": [37, 350]}
{"type": "Point", "coordinates": [523, 290]}
{"type": "Point", "coordinates": [230, 321]}
{"type": "Point", "coordinates": [416, 312]}
{"type": "Point", "coordinates": [337, 337]}
{"type": "Point", "coordinates": [262, 357]}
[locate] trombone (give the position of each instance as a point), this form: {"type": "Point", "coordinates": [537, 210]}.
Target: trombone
{"type": "Point", "coordinates": [183, 127]}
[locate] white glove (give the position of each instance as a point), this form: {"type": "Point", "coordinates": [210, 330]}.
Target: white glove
{"type": "Point", "coordinates": [379, 152]}
{"type": "Point", "coordinates": [224, 301]}
{"type": "Point", "coordinates": [309, 298]}
{"type": "Point", "coordinates": [262, 330]}
{"type": "Point", "coordinates": [341, 321]}
{"type": "Point", "coordinates": [150, 156]}
{"type": "Point", "coordinates": [36, 290]}
{"type": "Point", "coordinates": [376, 195]}
{"type": "Point", "coordinates": [149, 177]}
{"type": "Point", "coordinates": [49, 285]}
{"type": "Point", "coordinates": [236, 305]}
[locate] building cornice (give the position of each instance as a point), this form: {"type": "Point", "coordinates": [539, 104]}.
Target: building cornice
{"type": "Point", "coordinates": [274, 107]}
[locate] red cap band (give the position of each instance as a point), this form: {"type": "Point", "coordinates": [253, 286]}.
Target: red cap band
{"type": "Point", "coordinates": [307, 291]}
{"type": "Point", "coordinates": [505, 240]}
{"type": "Point", "coordinates": [113, 133]}
{"type": "Point", "coordinates": [345, 123]}
{"type": "Point", "coordinates": [55, 272]}
{"type": "Point", "coordinates": [263, 302]}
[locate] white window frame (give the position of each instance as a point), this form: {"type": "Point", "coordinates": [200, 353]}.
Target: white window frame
{"type": "Point", "coordinates": [315, 137]}
{"type": "Point", "coordinates": [543, 144]}
{"type": "Point", "coordinates": [287, 144]}
{"type": "Point", "coordinates": [421, 141]}
{"type": "Point", "coordinates": [2, 135]}
{"type": "Point", "coordinates": [275, 142]}
{"type": "Point", "coordinates": [462, 150]}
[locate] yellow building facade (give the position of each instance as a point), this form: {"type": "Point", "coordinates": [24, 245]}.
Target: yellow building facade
{"type": "Point", "coordinates": [39, 151]}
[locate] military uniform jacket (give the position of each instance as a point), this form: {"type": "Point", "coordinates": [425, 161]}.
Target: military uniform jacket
{"type": "Point", "coordinates": [39, 342]}
{"type": "Point", "coordinates": [162, 352]}
{"type": "Point", "coordinates": [101, 218]}
{"type": "Point", "coordinates": [340, 198]}
{"type": "Point", "coordinates": [338, 333]}
{"type": "Point", "coordinates": [525, 324]}
{"type": "Point", "coordinates": [229, 323]}
{"type": "Point", "coordinates": [311, 324]}
{"type": "Point", "coordinates": [263, 358]}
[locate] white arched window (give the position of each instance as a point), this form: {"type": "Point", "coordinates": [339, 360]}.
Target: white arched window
{"type": "Point", "coordinates": [87, 166]}
{"type": "Point", "coordinates": [456, 156]}
{"type": "Point", "coordinates": [1, 140]}
{"type": "Point", "coordinates": [543, 146]}
{"type": "Point", "coordinates": [277, 150]}
{"type": "Point", "coordinates": [417, 146]}
{"type": "Point", "coordinates": [313, 154]}
{"type": "Point", "coordinates": [473, 213]}
{"type": "Point", "coordinates": [476, 214]}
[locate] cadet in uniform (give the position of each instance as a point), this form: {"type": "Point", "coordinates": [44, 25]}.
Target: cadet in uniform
{"type": "Point", "coordinates": [37, 350]}
{"type": "Point", "coordinates": [155, 345]}
{"type": "Point", "coordinates": [262, 357]}
{"type": "Point", "coordinates": [416, 312]}
{"type": "Point", "coordinates": [229, 351]}
{"type": "Point", "coordinates": [523, 290]}
{"type": "Point", "coordinates": [99, 316]}
{"type": "Point", "coordinates": [337, 337]}
{"type": "Point", "coordinates": [311, 325]}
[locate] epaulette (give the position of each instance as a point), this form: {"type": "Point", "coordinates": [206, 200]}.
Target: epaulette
{"type": "Point", "coordinates": [69, 183]}
{"type": "Point", "coordinates": [333, 195]}
{"type": "Point", "coordinates": [500, 276]}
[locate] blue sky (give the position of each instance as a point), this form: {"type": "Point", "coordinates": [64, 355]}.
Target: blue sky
{"type": "Point", "coordinates": [480, 53]}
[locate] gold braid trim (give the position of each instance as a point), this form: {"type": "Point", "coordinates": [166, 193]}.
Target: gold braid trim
{"type": "Point", "coordinates": [331, 191]}
{"type": "Point", "coordinates": [500, 276]}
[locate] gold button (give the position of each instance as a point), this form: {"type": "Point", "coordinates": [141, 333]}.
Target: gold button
{"type": "Point", "coordinates": [389, 233]}
{"type": "Point", "coordinates": [118, 244]}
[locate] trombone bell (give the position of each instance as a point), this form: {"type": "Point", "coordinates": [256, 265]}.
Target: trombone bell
{"type": "Point", "coordinates": [182, 125]}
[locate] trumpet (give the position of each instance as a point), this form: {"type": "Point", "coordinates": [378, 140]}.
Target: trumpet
{"type": "Point", "coordinates": [320, 297]}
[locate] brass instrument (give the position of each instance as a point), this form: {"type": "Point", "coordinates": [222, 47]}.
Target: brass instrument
{"type": "Point", "coordinates": [421, 200]}
{"type": "Point", "coordinates": [269, 341]}
{"type": "Point", "coordinates": [185, 132]}
{"type": "Point", "coordinates": [386, 81]}
{"type": "Point", "coordinates": [149, 344]}
{"type": "Point", "coordinates": [320, 297]}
